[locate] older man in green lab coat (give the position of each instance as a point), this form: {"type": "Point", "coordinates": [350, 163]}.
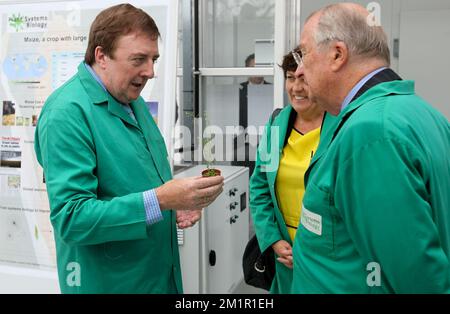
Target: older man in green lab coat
{"type": "Point", "coordinates": [108, 177]}
{"type": "Point", "coordinates": [375, 215]}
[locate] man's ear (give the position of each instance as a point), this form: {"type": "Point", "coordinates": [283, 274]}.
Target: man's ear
{"type": "Point", "coordinates": [100, 57]}
{"type": "Point", "coordinates": [339, 55]}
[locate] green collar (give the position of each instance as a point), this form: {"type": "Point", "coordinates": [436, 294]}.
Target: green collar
{"type": "Point", "coordinates": [380, 90]}
{"type": "Point", "coordinates": [333, 125]}
{"type": "Point", "coordinates": [95, 91]}
{"type": "Point", "coordinates": [99, 96]}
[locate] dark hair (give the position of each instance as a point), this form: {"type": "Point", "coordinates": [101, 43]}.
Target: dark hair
{"type": "Point", "coordinates": [288, 64]}
{"type": "Point", "coordinates": [116, 21]}
{"type": "Point", "coordinates": [248, 59]}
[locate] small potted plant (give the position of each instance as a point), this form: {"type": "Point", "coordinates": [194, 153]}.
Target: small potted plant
{"type": "Point", "coordinates": [211, 172]}
{"type": "Point", "coordinates": [209, 157]}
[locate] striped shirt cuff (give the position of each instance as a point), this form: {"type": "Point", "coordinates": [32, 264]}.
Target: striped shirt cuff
{"type": "Point", "coordinates": [152, 210]}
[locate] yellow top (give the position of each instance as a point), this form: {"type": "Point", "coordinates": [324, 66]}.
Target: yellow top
{"type": "Point", "coordinates": [290, 186]}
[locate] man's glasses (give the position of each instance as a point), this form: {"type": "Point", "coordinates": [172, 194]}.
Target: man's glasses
{"type": "Point", "coordinates": [297, 57]}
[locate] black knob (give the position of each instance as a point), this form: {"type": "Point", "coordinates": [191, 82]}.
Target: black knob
{"type": "Point", "coordinates": [233, 192]}
{"type": "Point", "coordinates": [233, 219]}
{"type": "Point", "coordinates": [212, 258]}
{"type": "Point", "coordinates": [233, 205]}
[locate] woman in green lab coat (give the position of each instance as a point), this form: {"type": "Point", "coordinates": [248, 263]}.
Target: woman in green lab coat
{"type": "Point", "coordinates": [276, 186]}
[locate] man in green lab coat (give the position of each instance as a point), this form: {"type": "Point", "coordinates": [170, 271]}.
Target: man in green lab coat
{"type": "Point", "coordinates": [109, 183]}
{"type": "Point", "coordinates": [376, 211]}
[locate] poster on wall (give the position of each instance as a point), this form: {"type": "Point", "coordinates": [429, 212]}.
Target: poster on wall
{"type": "Point", "coordinates": [42, 45]}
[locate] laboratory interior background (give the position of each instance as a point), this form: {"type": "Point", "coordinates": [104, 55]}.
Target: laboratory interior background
{"type": "Point", "coordinates": [197, 90]}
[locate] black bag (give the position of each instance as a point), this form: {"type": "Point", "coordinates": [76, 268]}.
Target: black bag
{"type": "Point", "coordinates": [259, 269]}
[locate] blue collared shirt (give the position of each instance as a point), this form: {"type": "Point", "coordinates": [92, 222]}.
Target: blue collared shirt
{"type": "Point", "coordinates": [358, 86]}
{"type": "Point", "coordinates": [152, 210]}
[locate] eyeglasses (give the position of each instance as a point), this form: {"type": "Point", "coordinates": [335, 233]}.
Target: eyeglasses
{"type": "Point", "coordinates": [297, 57]}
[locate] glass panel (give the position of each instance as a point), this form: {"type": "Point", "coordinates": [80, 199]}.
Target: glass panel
{"type": "Point", "coordinates": [178, 139]}
{"type": "Point", "coordinates": [234, 29]}
{"type": "Point", "coordinates": [236, 110]}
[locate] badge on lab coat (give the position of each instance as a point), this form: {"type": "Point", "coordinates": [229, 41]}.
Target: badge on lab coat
{"type": "Point", "coordinates": [311, 221]}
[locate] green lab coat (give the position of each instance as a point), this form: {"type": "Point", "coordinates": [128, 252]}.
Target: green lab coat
{"type": "Point", "coordinates": [377, 203]}
{"type": "Point", "coordinates": [97, 162]}
{"type": "Point", "coordinates": [269, 224]}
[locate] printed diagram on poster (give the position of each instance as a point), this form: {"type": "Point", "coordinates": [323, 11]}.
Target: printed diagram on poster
{"type": "Point", "coordinates": [42, 45]}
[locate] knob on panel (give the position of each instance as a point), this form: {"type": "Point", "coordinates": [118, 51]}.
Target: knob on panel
{"type": "Point", "coordinates": [212, 258]}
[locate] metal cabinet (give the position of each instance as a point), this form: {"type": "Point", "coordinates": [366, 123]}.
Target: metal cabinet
{"type": "Point", "coordinates": [211, 252]}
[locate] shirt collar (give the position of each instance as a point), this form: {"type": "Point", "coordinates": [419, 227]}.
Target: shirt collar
{"type": "Point", "coordinates": [358, 86]}
{"type": "Point", "coordinates": [95, 76]}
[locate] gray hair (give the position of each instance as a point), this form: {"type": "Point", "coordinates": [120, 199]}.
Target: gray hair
{"type": "Point", "coordinates": [342, 23]}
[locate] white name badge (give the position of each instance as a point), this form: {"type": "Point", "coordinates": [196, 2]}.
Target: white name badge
{"type": "Point", "coordinates": [311, 221]}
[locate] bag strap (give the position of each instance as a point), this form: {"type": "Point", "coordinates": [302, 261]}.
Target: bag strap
{"type": "Point", "coordinates": [274, 114]}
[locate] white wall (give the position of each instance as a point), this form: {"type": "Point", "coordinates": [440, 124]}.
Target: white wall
{"type": "Point", "coordinates": [387, 8]}
{"type": "Point", "coordinates": [434, 69]}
